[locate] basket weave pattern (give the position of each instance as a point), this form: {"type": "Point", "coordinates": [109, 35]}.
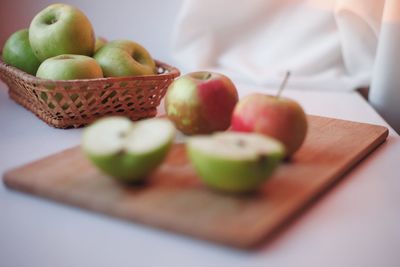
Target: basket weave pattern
{"type": "Point", "coordinates": [75, 103]}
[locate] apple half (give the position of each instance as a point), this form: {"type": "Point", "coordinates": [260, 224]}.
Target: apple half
{"type": "Point", "coordinates": [126, 150]}
{"type": "Point", "coordinates": [234, 162]}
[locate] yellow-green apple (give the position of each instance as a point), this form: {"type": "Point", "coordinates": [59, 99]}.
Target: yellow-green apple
{"type": "Point", "coordinates": [201, 102]}
{"type": "Point", "coordinates": [279, 117]}
{"type": "Point", "coordinates": [61, 29]}
{"type": "Point", "coordinates": [125, 58]}
{"type": "Point", "coordinates": [234, 162]}
{"type": "Point", "coordinates": [128, 151]}
{"type": "Point", "coordinates": [17, 52]}
{"type": "Point", "coordinates": [100, 42]}
{"type": "Point", "coordinates": [69, 67]}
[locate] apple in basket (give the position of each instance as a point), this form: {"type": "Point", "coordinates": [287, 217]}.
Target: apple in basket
{"type": "Point", "coordinates": [279, 117]}
{"type": "Point", "coordinates": [100, 42]}
{"type": "Point", "coordinates": [234, 162]}
{"type": "Point", "coordinates": [201, 102]}
{"type": "Point", "coordinates": [69, 67]}
{"type": "Point", "coordinates": [61, 29]}
{"type": "Point", "coordinates": [17, 52]}
{"type": "Point", "coordinates": [125, 150]}
{"type": "Point", "coordinates": [125, 58]}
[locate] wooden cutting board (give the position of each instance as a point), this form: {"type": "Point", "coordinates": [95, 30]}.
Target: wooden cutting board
{"type": "Point", "coordinates": [175, 199]}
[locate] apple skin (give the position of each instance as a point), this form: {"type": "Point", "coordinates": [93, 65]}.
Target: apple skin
{"type": "Point", "coordinates": [234, 175]}
{"type": "Point", "coordinates": [69, 67]}
{"type": "Point", "coordinates": [17, 52]}
{"type": "Point", "coordinates": [279, 117]}
{"type": "Point", "coordinates": [125, 165]}
{"type": "Point", "coordinates": [129, 167]}
{"type": "Point", "coordinates": [61, 29]}
{"type": "Point", "coordinates": [121, 58]}
{"type": "Point", "coordinates": [100, 42]}
{"type": "Point", "coordinates": [201, 102]}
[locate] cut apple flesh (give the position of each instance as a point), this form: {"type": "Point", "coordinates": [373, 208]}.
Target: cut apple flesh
{"type": "Point", "coordinates": [234, 162]}
{"type": "Point", "coordinates": [118, 134]}
{"type": "Point", "coordinates": [237, 146]}
{"type": "Point", "coordinates": [106, 136]}
{"type": "Point", "coordinates": [149, 135]}
{"type": "Point", "coordinates": [125, 150]}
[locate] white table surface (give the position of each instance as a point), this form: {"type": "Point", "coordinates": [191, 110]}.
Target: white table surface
{"type": "Point", "coordinates": [357, 223]}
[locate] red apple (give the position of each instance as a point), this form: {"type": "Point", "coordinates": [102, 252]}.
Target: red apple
{"type": "Point", "coordinates": [275, 116]}
{"type": "Point", "coordinates": [201, 102]}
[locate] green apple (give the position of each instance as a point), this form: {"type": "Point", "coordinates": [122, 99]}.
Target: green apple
{"type": "Point", "coordinates": [125, 58]}
{"type": "Point", "coordinates": [100, 42]}
{"type": "Point", "coordinates": [125, 150]}
{"type": "Point", "coordinates": [234, 162]}
{"type": "Point", "coordinates": [201, 102]}
{"type": "Point", "coordinates": [17, 52]}
{"type": "Point", "coordinates": [69, 67]}
{"type": "Point", "coordinates": [61, 29]}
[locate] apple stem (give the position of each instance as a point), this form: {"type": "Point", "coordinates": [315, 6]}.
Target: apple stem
{"type": "Point", "coordinates": [207, 76]}
{"type": "Point", "coordinates": [283, 84]}
{"type": "Point", "coordinates": [202, 75]}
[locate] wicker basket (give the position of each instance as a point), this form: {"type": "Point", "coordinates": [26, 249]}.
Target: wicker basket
{"type": "Point", "coordinates": [75, 103]}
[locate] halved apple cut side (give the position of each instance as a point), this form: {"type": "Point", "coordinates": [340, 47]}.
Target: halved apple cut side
{"type": "Point", "coordinates": [128, 151]}
{"type": "Point", "coordinates": [235, 162]}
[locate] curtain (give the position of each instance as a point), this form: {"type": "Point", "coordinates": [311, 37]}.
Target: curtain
{"type": "Point", "coordinates": [326, 44]}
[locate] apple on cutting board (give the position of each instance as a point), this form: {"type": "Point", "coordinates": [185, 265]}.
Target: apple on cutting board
{"type": "Point", "coordinates": [201, 102]}
{"type": "Point", "coordinates": [234, 162]}
{"type": "Point", "coordinates": [128, 151]}
{"type": "Point", "coordinates": [275, 116]}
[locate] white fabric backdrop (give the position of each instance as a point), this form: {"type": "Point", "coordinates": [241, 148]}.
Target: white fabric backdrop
{"type": "Point", "coordinates": [327, 44]}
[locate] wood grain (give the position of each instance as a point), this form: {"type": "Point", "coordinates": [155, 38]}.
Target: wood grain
{"type": "Point", "coordinates": [175, 199]}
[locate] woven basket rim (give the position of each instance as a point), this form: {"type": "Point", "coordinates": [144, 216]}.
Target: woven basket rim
{"type": "Point", "coordinates": [171, 72]}
{"type": "Point", "coordinates": [27, 90]}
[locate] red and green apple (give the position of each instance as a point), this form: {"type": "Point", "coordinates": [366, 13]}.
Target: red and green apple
{"type": "Point", "coordinates": [201, 102]}
{"type": "Point", "coordinates": [279, 117]}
